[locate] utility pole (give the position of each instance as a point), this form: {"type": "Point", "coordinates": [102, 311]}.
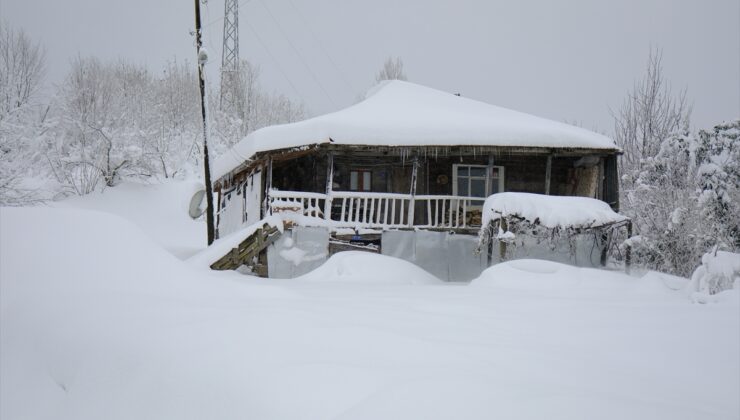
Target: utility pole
{"type": "Point", "coordinates": [230, 54]}
{"type": "Point", "coordinates": [202, 59]}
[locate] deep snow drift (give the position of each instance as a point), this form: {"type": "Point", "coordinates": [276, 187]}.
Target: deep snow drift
{"type": "Point", "coordinates": [98, 321]}
{"type": "Point", "coordinates": [160, 210]}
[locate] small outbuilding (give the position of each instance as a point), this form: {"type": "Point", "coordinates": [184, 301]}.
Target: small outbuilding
{"type": "Point", "coordinates": [405, 172]}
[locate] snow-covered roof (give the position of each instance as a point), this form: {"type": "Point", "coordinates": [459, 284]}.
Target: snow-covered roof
{"type": "Point", "coordinates": [549, 210]}
{"type": "Point", "coordinates": [397, 113]}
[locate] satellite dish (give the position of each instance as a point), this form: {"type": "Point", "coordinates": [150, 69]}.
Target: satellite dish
{"type": "Point", "coordinates": [197, 205]}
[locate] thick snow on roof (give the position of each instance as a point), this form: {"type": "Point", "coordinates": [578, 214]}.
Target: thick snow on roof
{"type": "Point", "coordinates": [397, 113]}
{"type": "Point", "coordinates": [551, 211]}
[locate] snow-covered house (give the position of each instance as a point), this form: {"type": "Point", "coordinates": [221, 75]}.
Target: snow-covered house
{"type": "Point", "coordinates": [405, 172]}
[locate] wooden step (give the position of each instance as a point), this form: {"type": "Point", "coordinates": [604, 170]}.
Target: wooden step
{"type": "Point", "coordinates": [248, 249]}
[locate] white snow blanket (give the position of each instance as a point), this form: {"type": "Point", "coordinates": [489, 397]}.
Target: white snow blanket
{"type": "Point", "coordinates": [98, 321]}
{"type": "Point", "coordinates": [398, 113]}
{"type": "Point", "coordinates": [551, 211]}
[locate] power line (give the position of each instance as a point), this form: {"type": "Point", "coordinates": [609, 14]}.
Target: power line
{"type": "Point", "coordinates": [298, 54]}
{"type": "Point", "coordinates": [272, 57]}
{"type": "Point", "coordinates": [264, 47]}
{"type": "Point", "coordinates": [321, 46]}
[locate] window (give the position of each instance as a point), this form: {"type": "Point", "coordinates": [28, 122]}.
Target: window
{"type": "Point", "coordinates": [472, 181]}
{"type": "Point", "coordinates": [360, 180]}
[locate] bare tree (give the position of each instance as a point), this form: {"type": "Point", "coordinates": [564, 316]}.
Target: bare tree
{"type": "Point", "coordinates": [21, 74]}
{"type": "Point", "coordinates": [21, 70]}
{"type": "Point", "coordinates": [392, 70]}
{"type": "Point", "coordinates": [650, 113]}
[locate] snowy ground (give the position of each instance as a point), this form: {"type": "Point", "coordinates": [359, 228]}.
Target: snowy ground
{"type": "Point", "coordinates": [99, 320]}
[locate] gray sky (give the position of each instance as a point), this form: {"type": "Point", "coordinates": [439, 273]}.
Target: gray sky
{"type": "Point", "coordinates": [566, 60]}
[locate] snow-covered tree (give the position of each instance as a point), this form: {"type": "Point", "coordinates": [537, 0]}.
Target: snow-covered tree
{"type": "Point", "coordinates": [686, 199]}
{"type": "Point", "coordinates": [21, 114]}
{"type": "Point", "coordinates": [718, 178]}
{"type": "Point", "coordinates": [253, 108]}
{"type": "Point", "coordinates": [174, 147]}
{"type": "Point", "coordinates": [649, 114]}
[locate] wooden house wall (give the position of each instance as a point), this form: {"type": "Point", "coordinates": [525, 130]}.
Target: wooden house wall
{"type": "Point", "coordinates": [435, 174]}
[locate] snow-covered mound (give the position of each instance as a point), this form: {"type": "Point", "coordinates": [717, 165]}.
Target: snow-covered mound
{"type": "Point", "coordinates": [399, 113]}
{"type": "Point", "coordinates": [92, 316]}
{"type": "Point", "coordinates": [365, 267]}
{"type": "Point", "coordinates": [159, 209]}
{"type": "Point", "coordinates": [547, 277]}
{"type": "Point", "coordinates": [551, 211]}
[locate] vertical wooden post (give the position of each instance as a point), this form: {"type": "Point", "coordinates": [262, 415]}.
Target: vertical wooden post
{"type": "Point", "coordinates": [415, 166]}
{"type": "Point", "coordinates": [600, 182]}
{"type": "Point", "coordinates": [268, 186]}
{"type": "Point", "coordinates": [489, 176]}
{"type": "Point", "coordinates": [202, 58]}
{"type": "Point", "coordinates": [548, 172]}
{"type": "Point", "coordinates": [218, 214]}
{"type": "Point", "coordinates": [329, 185]}
{"type": "Point", "coordinates": [605, 239]}
{"type": "Point", "coordinates": [628, 251]}
{"type": "Point", "coordinates": [501, 244]}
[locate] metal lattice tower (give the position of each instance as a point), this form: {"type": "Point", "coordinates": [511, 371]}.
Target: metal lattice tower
{"type": "Point", "coordinates": [230, 53]}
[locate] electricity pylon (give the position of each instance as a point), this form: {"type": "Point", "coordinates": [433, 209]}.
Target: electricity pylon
{"type": "Point", "coordinates": [230, 54]}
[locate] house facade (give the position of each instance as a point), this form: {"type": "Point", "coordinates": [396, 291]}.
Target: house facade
{"type": "Point", "coordinates": [407, 167]}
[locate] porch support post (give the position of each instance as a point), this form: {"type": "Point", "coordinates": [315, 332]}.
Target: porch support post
{"type": "Point", "coordinates": [548, 172]}
{"type": "Point", "coordinates": [329, 184]}
{"type": "Point", "coordinates": [489, 173]}
{"type": "Point", "coordinates": [414, 170]}
{"type": "Point", "coordinates": [268, 187]}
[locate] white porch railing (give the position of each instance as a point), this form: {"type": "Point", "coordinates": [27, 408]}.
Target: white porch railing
{"type": "Point", "coordinates": [380, 210]}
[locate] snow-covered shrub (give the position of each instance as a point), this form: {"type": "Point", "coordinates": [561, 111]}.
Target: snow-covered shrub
{"type": "Point", "coordinates": [686, 199]}
{"type": "Point", "coordinates": [719, 271]}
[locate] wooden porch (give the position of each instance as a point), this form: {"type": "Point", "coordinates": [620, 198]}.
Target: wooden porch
{"type": "Point", "coordinates": [344, 209]}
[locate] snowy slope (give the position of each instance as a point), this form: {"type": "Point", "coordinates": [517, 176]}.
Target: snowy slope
{"type": "Point", "coordinates": [398, 113]}
{"type": "Point", "coordinates": [160, 210]}
{"type": "Point", "coordinates": [98, 321]}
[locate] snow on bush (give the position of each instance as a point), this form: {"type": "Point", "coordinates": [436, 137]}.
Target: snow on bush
{"type": "Point", "coordinates": [719, 271]}
{"type": "Point", "coordinates": [686, 199]}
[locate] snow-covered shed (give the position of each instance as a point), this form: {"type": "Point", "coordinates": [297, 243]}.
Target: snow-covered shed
{"type": "Point", "coordinates": [408, 157]}
{"type": "Point", "coordinates": [575, 230]}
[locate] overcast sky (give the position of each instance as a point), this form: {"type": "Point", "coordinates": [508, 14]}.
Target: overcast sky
{"type": "Point", "coordinates": [567, 60]}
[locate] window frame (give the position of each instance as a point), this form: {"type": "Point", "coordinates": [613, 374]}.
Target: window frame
{"type": "Point", "coordinates": [361, 179]}
{"type": "Point", "coordinates": [488, 178]}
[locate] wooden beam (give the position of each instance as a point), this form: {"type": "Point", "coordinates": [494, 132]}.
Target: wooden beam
{"type": "Point", "coordinates": [548, 174]}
